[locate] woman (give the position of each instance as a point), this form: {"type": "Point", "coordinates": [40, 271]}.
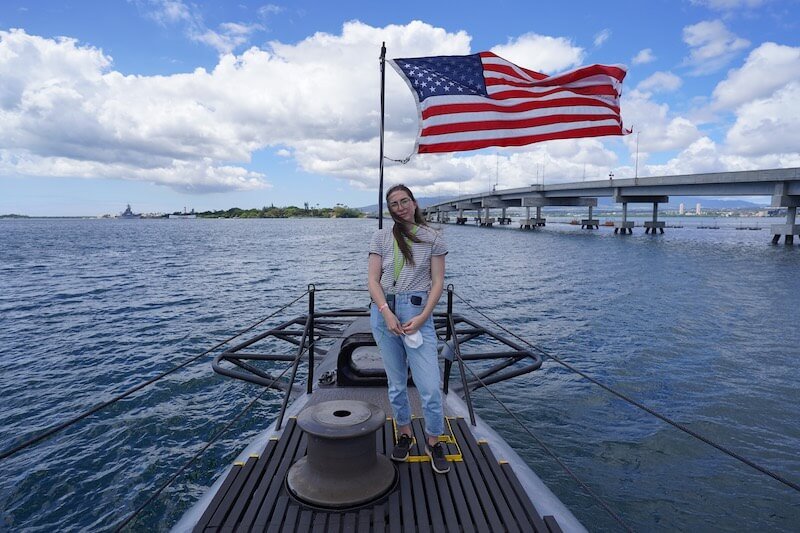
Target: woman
{"type": "Point", "coordinates": [406, 277]}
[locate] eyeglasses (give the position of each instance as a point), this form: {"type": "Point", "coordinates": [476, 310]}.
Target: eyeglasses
{"type": "Point", "coordinates": [402, 203]}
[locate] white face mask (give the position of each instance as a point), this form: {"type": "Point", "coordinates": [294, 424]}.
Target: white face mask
{"type": "Point", "coordinates": [413, 340]}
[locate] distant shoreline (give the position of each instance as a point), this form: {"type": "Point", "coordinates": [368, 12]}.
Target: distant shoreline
{"type": "Point", "coordinates": [340, 211]}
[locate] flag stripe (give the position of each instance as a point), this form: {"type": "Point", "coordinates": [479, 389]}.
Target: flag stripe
{"type": "Point", "coordinates": [517, 132]}
{"type": "Point", "coordinates": [476, 144]}
{"type": "Point", "coordinates": [490, 115]}
{"type": "Point", "coordinates": [507, 106]}
{"type": "Point", "coordinates": [489, 58]}
{"type": "Point", "coordinates": [525, 93]}
{"type": "Point", "coordinates": [479, 125]}
{"type": "Point", "coordinates": [482, 100]}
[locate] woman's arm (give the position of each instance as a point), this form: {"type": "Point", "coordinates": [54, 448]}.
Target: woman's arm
{"type": "Point", "coordinates": [376, 292]}
{"type": "Point", "coordinates": [437, 284]}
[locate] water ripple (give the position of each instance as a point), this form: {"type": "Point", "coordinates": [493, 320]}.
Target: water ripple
{"type": "Point", "coordinates": [698, 325]}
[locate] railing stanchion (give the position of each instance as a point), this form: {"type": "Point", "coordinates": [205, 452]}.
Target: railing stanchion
{"type": "Point", "coordinates": [448, 364]}
{"type": "Point", "coordinates": [310, 383]}
{"type": "Point", "coordinates": [457, 354]}
{"type": "Point", "coordinates": [302, 347]}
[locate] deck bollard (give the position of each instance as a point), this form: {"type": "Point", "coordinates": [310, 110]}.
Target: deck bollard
{"type": "Point", "coordinates": [342, 467]}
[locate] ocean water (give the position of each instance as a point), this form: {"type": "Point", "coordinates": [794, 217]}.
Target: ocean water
{"type": "Point", "coordinates": [700, 325]}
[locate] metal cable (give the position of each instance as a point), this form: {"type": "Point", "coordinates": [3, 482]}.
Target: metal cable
{"type": "Point", "coordinates": [55, 429]}
{"type": "Point", "coordinates": [641, 406]}
{"type": "Point", "coordinates": [580, 482]}
{"type": "Point", "coordinates": [221, 432]}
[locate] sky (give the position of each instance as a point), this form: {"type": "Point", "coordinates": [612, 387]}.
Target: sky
{"type": "Point", "coordinates": [169, 105]}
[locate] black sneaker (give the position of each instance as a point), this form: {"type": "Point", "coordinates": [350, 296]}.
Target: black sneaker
{"type": "Point", "coordinates": [438, 459]}
{"type": "Point", "coordinates": [400, 452]}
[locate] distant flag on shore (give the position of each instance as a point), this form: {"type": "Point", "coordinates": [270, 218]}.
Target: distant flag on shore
{"type": "Point", "coordinates": [481, 100]}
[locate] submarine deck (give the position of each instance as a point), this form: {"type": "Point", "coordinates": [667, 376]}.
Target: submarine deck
{"type": "Point", "coordinates": [479, 493]}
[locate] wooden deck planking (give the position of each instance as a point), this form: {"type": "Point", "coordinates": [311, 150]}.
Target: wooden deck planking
{"type": "Point", "coordinates": [478, 494]}
{"type": "Point", "coordinates": [530, 510]}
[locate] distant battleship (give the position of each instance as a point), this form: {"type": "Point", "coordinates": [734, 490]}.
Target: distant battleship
{"type": "Point", "coordinates": [128, 213]}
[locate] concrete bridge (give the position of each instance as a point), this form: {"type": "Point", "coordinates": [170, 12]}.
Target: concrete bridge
{"type": "Point", "coordinates": [783, 185]}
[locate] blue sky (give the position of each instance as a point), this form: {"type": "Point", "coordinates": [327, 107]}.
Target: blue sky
{"type": "Point", "coordinates": [210, 105]}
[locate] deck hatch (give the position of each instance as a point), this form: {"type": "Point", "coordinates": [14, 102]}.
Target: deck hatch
{"type": "Point", "coordinates": [478, 494]}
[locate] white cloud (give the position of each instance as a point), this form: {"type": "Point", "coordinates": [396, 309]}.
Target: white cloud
{"type": "Point", "coordinates": [601, 37]}
{"type": "Point", "coordinates": [657, 129]}
{"type": "Point", "coordinates": [541, 53]}
{"type": "Point", "coordinates": [232, 36]}
{"type": "Point", "coordinates": [66, 112]}
{"type": "Point", "coordinates": [643, 56]}
{"type": "Point", "coordinates": [270, 9]}
{"type": "Point", "coordinates": [768, 126]}
{"type": "Point", "coordinates": [700, 156]}
{"type": "Point", "coordinates": [712, 46]}
{"type": "Point", "coordinates": [227, 38]}
{"type": "Point", "coordinates": [767, 68]}
{"type": "Point", "coordinates": [660, 82]}
{"type": "Point", "coordinates": [729, 5]}
{"type": "Point", "coordinates": [169, 11]}
{"type": "Point", "coordinates": [704, 155]}
{"type": "Point", "coordinates": [557, 161]}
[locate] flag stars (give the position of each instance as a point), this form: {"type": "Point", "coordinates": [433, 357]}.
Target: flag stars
{"type": "Point", "coordinates": [443, 75]}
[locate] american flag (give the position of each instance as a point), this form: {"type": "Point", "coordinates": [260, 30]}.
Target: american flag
{"type": "Point", "coordinates": [481, 100]}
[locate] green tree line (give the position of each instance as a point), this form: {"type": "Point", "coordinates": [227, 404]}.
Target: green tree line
{"type": "Point", "coordinates": [339, 211]}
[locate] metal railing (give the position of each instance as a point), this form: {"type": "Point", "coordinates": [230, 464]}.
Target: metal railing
{"type": "Point", "coordinates": [314, 334]}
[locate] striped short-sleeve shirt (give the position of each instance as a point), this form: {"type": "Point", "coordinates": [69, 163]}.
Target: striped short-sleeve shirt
{"type": "Point", "coordinates": [412, 278]}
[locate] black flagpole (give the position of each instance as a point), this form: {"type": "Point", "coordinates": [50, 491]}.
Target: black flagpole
{"type": "Point", "coordinates": [380, 184]}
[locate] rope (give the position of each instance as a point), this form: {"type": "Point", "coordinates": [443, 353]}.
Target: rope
{"type": "Point", "coordinates": [643, 407]}
{"type": "Point", "coordinates": [401, 161]}
{"type": "Point", "coordinates": [203, 449]}
{"type": "Point", "coordinates": [55, 429]}
{"type": "Point", "coordinates": [583, 485]}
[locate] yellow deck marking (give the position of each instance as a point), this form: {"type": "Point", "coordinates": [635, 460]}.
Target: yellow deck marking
{"type": "Point", "coordinates": [448, 438]}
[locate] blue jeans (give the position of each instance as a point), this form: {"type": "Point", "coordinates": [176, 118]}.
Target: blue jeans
{"type": "Point", "coordinates": [397, 358]}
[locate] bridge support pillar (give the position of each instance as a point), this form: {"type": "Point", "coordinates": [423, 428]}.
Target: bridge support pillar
{"type": "Point", "coordinates": [487, 220]}
{"type": "Point", "coordinates": [624, 227]}
{"type": "Point", "coordinates": [590, 223]}
{"type": "Point", "coordinates": [527, 223]}
{"type": "Point", "coordinates": [504, 220]}
{"type": "Point", "coordinates": [654, 225]}
{"type": "Point", "coordinates": [788, 230]}
{"type": "Point", "coordinates": [461, 219]}
{"type": "Point", "coordinates": [539, 220]}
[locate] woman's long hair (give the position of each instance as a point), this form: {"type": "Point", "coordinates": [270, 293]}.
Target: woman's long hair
{"type": "Point", "coordinates": [402, 230]}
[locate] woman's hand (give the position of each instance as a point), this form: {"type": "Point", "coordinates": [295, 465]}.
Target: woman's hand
{"type": "Point", "coordinates": [413, 325]}
{"type": "Point", "coordinates": [392, 322]}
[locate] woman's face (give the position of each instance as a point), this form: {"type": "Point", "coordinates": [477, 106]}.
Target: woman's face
{"type": "Point", "coordinates": [402, 206]}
